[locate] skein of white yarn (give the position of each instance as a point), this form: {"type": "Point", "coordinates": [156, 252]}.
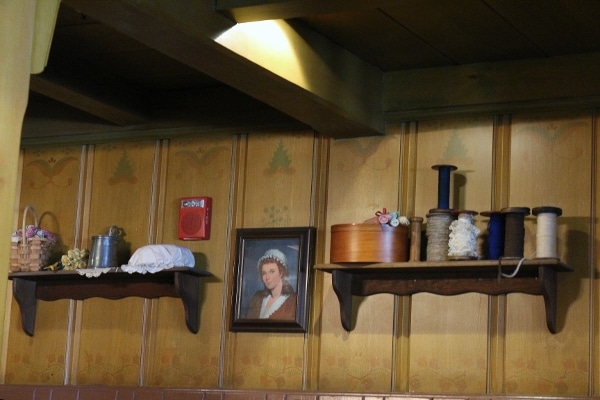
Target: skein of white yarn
{"type": "Point", "coordinates": [462, 243]}
{"type": "Point", "coordinates": [546, 236]}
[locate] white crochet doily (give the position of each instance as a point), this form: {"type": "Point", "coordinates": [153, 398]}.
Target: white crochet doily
{"type": "Point", "coordinates": [93, 272]}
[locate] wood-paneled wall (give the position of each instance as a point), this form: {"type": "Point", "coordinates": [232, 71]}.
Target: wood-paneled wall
{"type": "Point", "coordinates": [464, 344]}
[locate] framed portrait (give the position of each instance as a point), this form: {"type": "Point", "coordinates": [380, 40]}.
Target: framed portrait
{"type": "Point", "coordinates": [271, 282]}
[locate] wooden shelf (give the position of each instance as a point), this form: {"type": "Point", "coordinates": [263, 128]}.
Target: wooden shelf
{"type": "Point", "coordinates": [179, 282]}
{"type": "Point", "coordinates": [535, 276]}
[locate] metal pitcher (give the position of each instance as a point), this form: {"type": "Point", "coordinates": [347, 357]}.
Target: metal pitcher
{"type": "Point", "coordinates": [103, 253]}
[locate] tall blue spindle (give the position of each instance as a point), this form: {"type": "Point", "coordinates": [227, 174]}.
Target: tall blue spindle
{"type": "Point", "coordinates": [495, 234]}
{"type": "Point", "coordinates": [444, 185]}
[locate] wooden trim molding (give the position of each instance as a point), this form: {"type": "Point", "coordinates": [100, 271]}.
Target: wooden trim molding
{"type": "Point", "coordinates": [26, 392]}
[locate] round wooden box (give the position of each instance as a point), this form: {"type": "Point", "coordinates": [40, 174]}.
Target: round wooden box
{"type": "Point", "coordinates": [368, 243]}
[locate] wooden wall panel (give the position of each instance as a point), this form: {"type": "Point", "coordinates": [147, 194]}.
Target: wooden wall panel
{"type": "Point", "coordinates": [551, 165]}
{"type": "Point", "coordinates": [276, 180]}
{"type": "Point", "coordinates": [123, 186]}
{"type": "Point", "coordinates": [364, 175]}
{"type": "Point", "coordinates": [177, 357]}
{"type": "Point", "coordinates": [426, 343]}
{"type": "Point", "coordinates": [50, 183]}
{"type": "Point", "coordinates": [448, 335]}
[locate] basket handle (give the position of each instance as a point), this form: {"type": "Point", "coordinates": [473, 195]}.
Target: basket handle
{"type": "Point", "coordinates": [28, 208]}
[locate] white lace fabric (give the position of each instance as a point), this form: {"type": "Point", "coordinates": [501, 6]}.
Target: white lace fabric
{"type": "Point", "coordinates": [158, 257]}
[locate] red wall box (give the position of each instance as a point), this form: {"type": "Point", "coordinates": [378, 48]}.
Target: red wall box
{"type": "Point", "coordinates": [194, 218]}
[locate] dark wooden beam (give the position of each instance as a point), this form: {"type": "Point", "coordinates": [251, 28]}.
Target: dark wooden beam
{"type": "Point", "coordinates": [218, 110]}
{"type": "Point", "coordinates": [337, 97]}
{"type": "Point", "coordinates": [103, 99]}
{"type": "Point", "coordinates": [541, 84]}
{"type": "Point", "coordinates": [261, 10]}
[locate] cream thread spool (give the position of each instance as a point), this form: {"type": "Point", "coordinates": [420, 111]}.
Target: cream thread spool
{"type": "Point", "coordinates": [437, 231]}
{"type": "Point", "coordinates": [546, 234]}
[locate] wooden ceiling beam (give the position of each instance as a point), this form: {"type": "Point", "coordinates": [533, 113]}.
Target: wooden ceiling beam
{"type": "Point", "coordinates": [216, 110]}
{"type": "Point", "coordinates": [314, 81]}
{"type": "Point", "coordinates": [262, 10]}
{"type": "Point", "coordinates": [507, 87]}
{"type": "Point", "coordinates": [106, 100]}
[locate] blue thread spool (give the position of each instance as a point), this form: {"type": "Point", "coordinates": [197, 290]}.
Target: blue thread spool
{"type": "Point", "coordinates": [495, 234]}
{"type": "Point", "coordinates": [444, 185]}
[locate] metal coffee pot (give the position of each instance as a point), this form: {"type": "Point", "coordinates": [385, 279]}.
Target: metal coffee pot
{"type": "Point", "coordinates": [103, 253]}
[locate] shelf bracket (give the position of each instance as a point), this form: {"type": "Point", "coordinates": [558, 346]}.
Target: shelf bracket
{"type": "Point", "coordinates": [342, 286]}
{"type": "Point", "coordinates": [536, 277]}
{"type": "Point", "coordinates": [24, 293]}
{"type": "Point", "coordinates": [178, 282]}
{"type": "Point", "coordinates": [549, 282]}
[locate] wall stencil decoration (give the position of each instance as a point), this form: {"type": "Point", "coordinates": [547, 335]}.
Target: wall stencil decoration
{"type": "Point", "coordinates": [445, 381]}
{"type": "Point", "coordinates": [48, 171]}
{"type": "Point", "coordinates": [95, 365]}
{"type": "Point", "coordinates": [556, 136]}
{"type": "Point", "coordinates": [124, 171]}
{"type": "Point", "coordinates": [276, 216]}
{"type": "Point", "coordinates": [199, 159]}
{"type": "Point", "coordinates": [456, 152]}
{"type": "Point", "coordinates": [280, 161]}
{"type": "Point", "coordinates": [257, 369]}
{"type": "Point", "coordinates": [173, 367]}
{"type": "Point", "coordinates": [363, 152]}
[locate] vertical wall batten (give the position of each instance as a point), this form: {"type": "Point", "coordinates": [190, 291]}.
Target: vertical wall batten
{"type": "Point", "coordinates": [234, 217]}
{"type": "Point", "coordinates": [497, 304]}
{"type": "Point", "coordinates": [403, 304]}
{"type": "Point", "coordinates": [594, 350]}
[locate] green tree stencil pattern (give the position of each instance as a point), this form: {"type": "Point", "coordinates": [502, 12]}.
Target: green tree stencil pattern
{"type": "Point", "coordinates": [124, 171]}
{"type": "Point", "coordinates": [280, 161]}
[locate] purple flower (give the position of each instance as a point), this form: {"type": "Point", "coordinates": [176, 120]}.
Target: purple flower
{"type": "Point", "coordinates": [30, 231]}
{"type": "Point", "coordinates": [35, 231]}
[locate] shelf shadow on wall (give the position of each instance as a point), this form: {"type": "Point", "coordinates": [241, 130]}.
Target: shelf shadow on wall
{"type": "Point", "coordinates": [571, 283]}
{"type": "Point", "coordinates": [201, 263]}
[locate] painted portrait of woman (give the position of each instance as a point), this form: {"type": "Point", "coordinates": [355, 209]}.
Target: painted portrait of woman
{"type": "Point", "coordinates": [271, 279]}
{"type": "Point", "coordinates": [277, 300]}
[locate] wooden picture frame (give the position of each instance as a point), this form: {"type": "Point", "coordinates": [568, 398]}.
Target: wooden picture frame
{"type": "Point", "coordinates": [271, 279]}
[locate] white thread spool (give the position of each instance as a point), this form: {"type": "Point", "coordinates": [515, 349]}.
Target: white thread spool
{"type": "Point", "coordinates": [546, 236]}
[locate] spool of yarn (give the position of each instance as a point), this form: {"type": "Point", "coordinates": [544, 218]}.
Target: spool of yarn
{"type": "Point", "coordinates": [546, 236]}
{"type": "Point", "coordinates": [443, 184]}
{"type": "Point", "coordinates": [514, 231]}
{"type": "Point", "coordinates": [462, 243]}
{"type": "Point", "coordinates": [415, 238]}
{"type": "Point", "coordinates": [495, 244]}
{"type": "Point", "coordinates": [437, 231]}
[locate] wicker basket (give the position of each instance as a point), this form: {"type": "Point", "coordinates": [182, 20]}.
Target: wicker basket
{"type": "Point", "coordinates": [29, 254]}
